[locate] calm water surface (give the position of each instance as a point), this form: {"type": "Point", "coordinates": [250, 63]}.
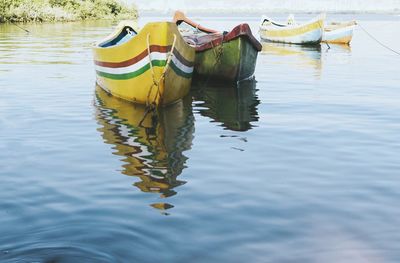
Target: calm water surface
{"type": "Point", "coordinates": [300, 165]}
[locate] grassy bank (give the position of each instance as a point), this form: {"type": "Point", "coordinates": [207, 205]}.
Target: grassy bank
{"type": "Point", "coordinates": [63, 10]}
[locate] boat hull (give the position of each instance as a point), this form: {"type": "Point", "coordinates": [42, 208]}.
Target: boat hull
{"type": "Point", "coordinates": [305, 34]}
{"type": "Point", "coordinates": [234, 60]}
{"type": "Point", "coordinates": [229, 56]}
{"type": "Point", "coordinates": [159, 77]}
{"type": "Point", "coordinates": [339, 35]}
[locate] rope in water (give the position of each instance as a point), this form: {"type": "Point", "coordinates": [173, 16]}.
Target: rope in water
{"type": "Point", "coordinates": [26, 30]}
{"type": "Point", "coordinates": [379, 42]}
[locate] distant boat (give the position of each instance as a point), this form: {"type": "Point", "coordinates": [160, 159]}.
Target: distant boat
{"type": "Point", "coordinates": [306, 33]}
{"type": "Point", "coordinates": [152, 66]}
{"type": "Point", "coordinates": [229, 56]}
{"type": "Point", "coordinates": [339, 32]}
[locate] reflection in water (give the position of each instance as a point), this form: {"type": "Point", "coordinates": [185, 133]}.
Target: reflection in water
{"type": "Point", "coordinates": [303, 56]}
{"type": "Point", "coordinates": [235, 106]}
{"type": "Point", "coordinates": [338, 53]}
{"type": "Point", "coordinates": [152, 150]}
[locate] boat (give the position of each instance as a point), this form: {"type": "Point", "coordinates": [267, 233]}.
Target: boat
{"type": "Point", "coordinates": [151, 66]}
{"type": "Point", "coordinates": [339, 32]}
{"type": "Point", "coordinates": [230, 56]}
{"type": "Point", "coordinates": [308, 33]}
{"type": "Point", "coordinates": [151, 150]}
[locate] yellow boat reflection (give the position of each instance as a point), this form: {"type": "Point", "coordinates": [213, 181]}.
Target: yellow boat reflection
{"type": "Point", "coordinates": [152, 148]}
{"type": "Point", "coordinates": [302, 56]}
{"type": "Point", "coordinates": [235, 106]}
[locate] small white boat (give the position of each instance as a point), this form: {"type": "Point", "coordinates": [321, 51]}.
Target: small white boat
{"type": "Point", "coordinates": [306, 33]}
{"type": "Point", "coordinates": [339, 33]}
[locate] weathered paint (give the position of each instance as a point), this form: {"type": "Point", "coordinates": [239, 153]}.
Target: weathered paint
{"type": "Point", "coordinates": [124, 70]}
{"type": "Point", "coordinates": [234, 60]}
{"type": "Point", "coordinates": [229, 56]}
{"type": "Point", "coordinates": [307, 33]}
{"type": "Point", "coordinates": [339, 33]}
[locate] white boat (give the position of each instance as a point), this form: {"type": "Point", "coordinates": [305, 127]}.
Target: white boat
{"type": "Point", "coordinates": [339, 33]}
{"type": "Point", "coordinates": [306, 33]}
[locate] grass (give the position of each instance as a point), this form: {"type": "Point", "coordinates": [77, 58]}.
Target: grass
{"type": "Point", "coordinates": [63, 10]}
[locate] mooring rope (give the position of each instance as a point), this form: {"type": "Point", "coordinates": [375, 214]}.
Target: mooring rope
{"type": "Point", "coordinates": [151, 105]}
{"type": "Point", "coordinates": [379, 42]}
{"type": "Point", "coordinates": [26, 30]}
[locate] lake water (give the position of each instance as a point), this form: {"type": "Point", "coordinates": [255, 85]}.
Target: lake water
{"type": "Point", "coordinates": [300, 165]}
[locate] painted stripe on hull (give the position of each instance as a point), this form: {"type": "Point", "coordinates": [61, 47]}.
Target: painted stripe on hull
{"type": "Point", "coordinates": [180, 72]}
{"type": "Point", "coordinates": [313, 36]}
{"type": "Point", "coordinates": [156, 63]}
{"type": "Point", "coordinates": [134, 60]}
{"type": "Point", "coordinates": [133, 67]}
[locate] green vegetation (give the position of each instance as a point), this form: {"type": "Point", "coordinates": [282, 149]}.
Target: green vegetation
{"type": "Point", "coordinates": [63, 10]}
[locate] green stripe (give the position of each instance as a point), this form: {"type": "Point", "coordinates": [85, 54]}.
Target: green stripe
{"type": "Point", "coordinates": [156, 63]}
{"type": "Point", "coordinates": [179, 72]}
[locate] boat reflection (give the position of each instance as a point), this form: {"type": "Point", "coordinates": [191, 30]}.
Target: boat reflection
{"type": "Point", "coordinates": [153, 147]}
{"type": "Point", "coordinates": [298, 55]}
{"type": "Point", "coordinates": [338, 54]}
{"type": "Point", "coordinates": [234, 106]}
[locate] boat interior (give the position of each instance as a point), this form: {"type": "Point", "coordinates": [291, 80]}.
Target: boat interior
{"type": "Point", "coordinates": [125, 34]}
{"type": "Point", "coordinates": [267, 21]}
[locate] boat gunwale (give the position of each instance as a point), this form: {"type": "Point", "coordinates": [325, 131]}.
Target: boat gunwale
{"type": "Point", "coordinates": [342, 25]}
{"type": "Point", "coordinates": [283, 27]}
{"type": "Point", "coordinates": [242, 30]}
{"type": "Point", "coordinates": [118, 30]}
{"type": "Point", "coordinates": [238, 31]}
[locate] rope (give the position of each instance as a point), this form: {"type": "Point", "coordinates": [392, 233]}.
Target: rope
{"type": "Point", "coordinates": [379, 42]}
{"type": "Point", "coordinates": [155, 82]}
{"type": "Point", "coordinates": [218, 53]}
{"type": "Point", "coordinates": [26, 30]}
{"type": "Point", "coordinates": [149, 55]}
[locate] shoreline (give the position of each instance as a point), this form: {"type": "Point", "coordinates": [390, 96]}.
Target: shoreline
{"type": "Point", "coordinates": [39, 11]}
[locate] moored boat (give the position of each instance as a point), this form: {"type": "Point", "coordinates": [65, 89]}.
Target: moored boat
{"type": "Point", "coordinates": [306, 33]}
{"type": "Point", "coordinates": [229, 56]}
{"type": "Point", "coordinates": [152, 66]}
{"type": "Point", "coordinates": [339, 33]}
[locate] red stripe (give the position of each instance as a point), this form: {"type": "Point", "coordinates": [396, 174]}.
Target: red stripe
{"type": "Point", "coordinates": [183, 60]}
{"type": "Point", "coordinates": [153, 48]}
{"type": "Point", "coordinates": [126, 63]}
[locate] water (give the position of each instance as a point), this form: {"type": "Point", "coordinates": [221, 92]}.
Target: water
{"type": "Point", "coordinates": [301, 165]}
{"type": "Point", "coordinates": [268, 6]}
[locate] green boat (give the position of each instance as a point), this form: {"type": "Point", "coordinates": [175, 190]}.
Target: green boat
{"type": "Point", "coordinates": [220, 55]}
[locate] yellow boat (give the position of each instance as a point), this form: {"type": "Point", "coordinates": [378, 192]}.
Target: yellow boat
{"type": "Point", "coordinates": [307, 33]}
{"type": "Point", "coordinates": [152, 66]}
